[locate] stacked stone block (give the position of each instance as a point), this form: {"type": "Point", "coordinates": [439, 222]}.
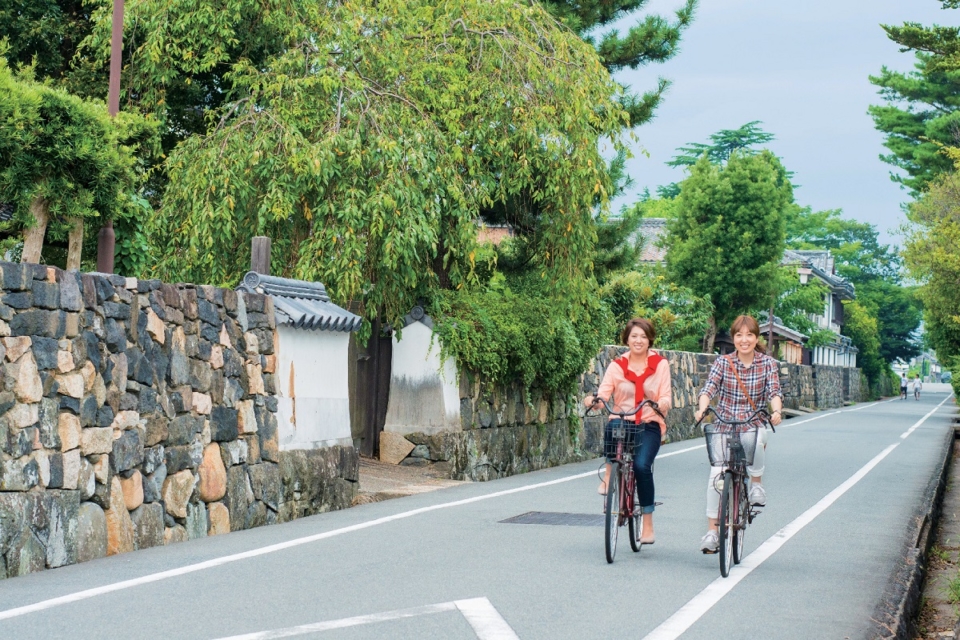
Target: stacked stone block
{"type": "Point", "coordinates": [132, 414]}
{"type": "Point", "coordinates": [504, 431]}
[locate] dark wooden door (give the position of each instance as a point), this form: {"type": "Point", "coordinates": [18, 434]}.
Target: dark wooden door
{"type": "Point", "coordinates": [370, 388]}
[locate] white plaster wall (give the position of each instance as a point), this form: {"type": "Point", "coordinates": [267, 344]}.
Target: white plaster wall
{"type": "Point", "coordinates": [313, 401]}
{"type": "Point", "coordinates": [424, 393]}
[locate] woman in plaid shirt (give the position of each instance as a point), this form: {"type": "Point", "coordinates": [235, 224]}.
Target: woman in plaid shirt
{"type": "Point", "coordinates": [760, 375]}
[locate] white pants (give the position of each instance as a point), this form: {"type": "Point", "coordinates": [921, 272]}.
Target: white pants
{"type": "Point", "coordinates": [754, 471]}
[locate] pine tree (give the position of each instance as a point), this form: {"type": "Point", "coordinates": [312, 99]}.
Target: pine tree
{"type": "Point", "coordinates": [652, 39]}
{"type": "Point", "coordinates": [921, 114]}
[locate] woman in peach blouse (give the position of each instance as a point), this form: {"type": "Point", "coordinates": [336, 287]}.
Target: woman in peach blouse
{"type": "Point", "coordinates": [639, 374]}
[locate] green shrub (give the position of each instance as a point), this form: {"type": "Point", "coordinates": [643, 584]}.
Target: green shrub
{"type": "Point", "coordinates": [507, 335]}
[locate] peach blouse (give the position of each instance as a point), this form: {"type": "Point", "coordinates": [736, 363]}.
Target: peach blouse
{"type": "Point", "coordinates": [656, 387]}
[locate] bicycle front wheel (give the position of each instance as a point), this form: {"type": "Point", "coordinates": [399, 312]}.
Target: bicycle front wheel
{"type": "Point", "coordinates": [612, 519]}
{"type": "Point", "coordinates": [727, 518]}
{"type": "Point", "coordinates": [635, 520]}
{"type": "Point", "coordinates": [743, 517]}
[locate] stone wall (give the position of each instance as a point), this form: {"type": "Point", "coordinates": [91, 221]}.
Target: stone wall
{"type": "Point", "coordinates": [799, 387]}
{"type": "Point", "coordinates": [503, 432]}
{"type": "Point", "coordinates": [830, 386]}
{"type": "Point", "coordinates": [136, 413]}
{"type": "Point", "coordinates": [804, 388]}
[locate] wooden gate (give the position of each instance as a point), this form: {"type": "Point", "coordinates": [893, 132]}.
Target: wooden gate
{"type": "Point", "coordinates": [370, 388]}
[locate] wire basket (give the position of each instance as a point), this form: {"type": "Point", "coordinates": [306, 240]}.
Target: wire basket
{"type": "Point", "coordinates": [620, 431]}
{"type": "Point", "coordinates": [727, 445]}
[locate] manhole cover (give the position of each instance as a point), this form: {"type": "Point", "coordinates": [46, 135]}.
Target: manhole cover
{"type": "Point", "coordinates": [560, 519]}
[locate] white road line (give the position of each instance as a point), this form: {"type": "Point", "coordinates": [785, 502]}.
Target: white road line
{"type": "Point", "coordinates": [346, 622]}
{"type": "Point", "coordinates": [907, 433]}
{"type": "Point", "coordinates": [486, 621]}
{"type": "Point", "coordinates": [689, 613]}
{"type": "Point", "coordinates": [253, 553]}
{"type": "Point", "coordinates": [479, 613]}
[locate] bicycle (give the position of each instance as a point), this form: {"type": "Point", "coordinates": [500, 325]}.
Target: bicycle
{"type": "Point", "coordinates": [731, 445]}
{"type": "Point", "coordinates": [622, 503]}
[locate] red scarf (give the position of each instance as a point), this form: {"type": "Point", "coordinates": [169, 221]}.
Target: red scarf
{"type": "Point", "coordinates": [653, 361]}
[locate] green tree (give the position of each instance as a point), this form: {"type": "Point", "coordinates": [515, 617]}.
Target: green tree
{"type": "Point", "coordinates": [680, 317]}
{"type": "Point", "coordinates": [921, 110]}
{"type": "Point", "coordinates": [368, 147]}
{"type": "Point", "coordinates": [728, 236]}
{"type": "Point", "coordinates": [722, 145]}
{"type": "Point", "coordinates": [872, 267]}
{"type": "Point", "coordinates": [863, 332]}
{"type": "Point", "coordinates": [654, 39]}
{"type": "Point", "coordinates": [932, 254]}
{"type": "Point", "coordinates": [44, 33]}
{"type": "Point", "coordinates": [63, 160]}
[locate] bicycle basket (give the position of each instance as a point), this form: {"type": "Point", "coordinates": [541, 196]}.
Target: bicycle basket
{"type": "Point", "coordinates": [726, 444]}
{"type": "Point", "coordinates": [619, 431]}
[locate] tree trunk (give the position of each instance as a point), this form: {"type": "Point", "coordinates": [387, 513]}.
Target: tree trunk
{"type": "Point", "coordinates": [33, 236]}
{"type": "Point", "coordinates": [710, 336]}
{"type": "Point", "coordinates": [75, 247]}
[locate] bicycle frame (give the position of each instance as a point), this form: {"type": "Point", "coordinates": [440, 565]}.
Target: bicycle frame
{"type": "Point", "coordinates": [735, 513]}
{"type": "Point", "coordinates": [621, 472]}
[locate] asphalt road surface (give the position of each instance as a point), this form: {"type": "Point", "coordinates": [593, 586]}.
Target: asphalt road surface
{"type": "Point", "coordinates": [841, 487]}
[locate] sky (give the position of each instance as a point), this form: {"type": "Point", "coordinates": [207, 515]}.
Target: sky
{"type": "Point", "coordinates": [802, 69]}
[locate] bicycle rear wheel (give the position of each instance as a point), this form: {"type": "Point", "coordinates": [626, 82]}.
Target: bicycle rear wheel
{"type": "Point", "coordinates": [727, 516]}
{"type": "Point", "coordinates": [612, 519]}
{"type": "Point", "coordinates": [743, 518]}
{"type": "Point", "coordinates": [635, 520]}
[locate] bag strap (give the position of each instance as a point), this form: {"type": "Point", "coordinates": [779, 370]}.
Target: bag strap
{"type": "Point", "coordinates": [743, 387]}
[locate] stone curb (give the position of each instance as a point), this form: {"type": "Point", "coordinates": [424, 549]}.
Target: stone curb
{"type": "Point", "coordinates": [895, 617]}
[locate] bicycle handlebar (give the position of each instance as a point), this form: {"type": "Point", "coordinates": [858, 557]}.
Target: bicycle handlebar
{"type": "Point", "coordinates": [624, 414]}
{"type": "Point", "coordinates": [761, 413]}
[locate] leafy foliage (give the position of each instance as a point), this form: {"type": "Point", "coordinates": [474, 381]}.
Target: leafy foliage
{"type": "Point", "coordinates": [873, 268]}
{"type": "Point", "coordinates": [863, 331]}
{"type": "Point", "coordinates": [921, 110]}
{"type": "Point", "coordinates": [794, 304]}
{"type": "Point", "coordinates": [932, 255]}
{"type": "Point", "coordinates": [680, 317]}
{"type": "Point", "coordinates": [654, 39]}
{"type": "Point", "coordinates": [722, 145]}
{"type": "Point", "coordinates": [728, 237]}
{"type": "Point", "coordinates": [367, 148]}
{"type": "Point", "coordinates": [507, 336]}
{"type": "Point", "coordinates": [67, 151]}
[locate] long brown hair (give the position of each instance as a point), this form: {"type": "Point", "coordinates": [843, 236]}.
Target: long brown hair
{"type": "Point", "coordinates": [750, 324]}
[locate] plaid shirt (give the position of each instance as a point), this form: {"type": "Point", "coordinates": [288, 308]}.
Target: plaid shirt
{"type": "Point", "coordinates": [762, 380]}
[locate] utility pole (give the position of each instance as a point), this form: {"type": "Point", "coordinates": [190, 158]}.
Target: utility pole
{"type": "Point", "coordinates": [107, 239]}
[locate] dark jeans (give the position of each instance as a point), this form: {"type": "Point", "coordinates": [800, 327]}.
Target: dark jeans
{"type": "Point", "coordinates": [645, 438]}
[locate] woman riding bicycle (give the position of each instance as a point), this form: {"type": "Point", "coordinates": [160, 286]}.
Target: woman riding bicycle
{"type": "Point", "coordinates": [733, 377]}
{"type": "Point", "coordinates": [639, 374]}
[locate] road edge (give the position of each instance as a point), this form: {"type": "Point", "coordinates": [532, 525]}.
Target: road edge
{"type": "Point", "coordinates": [895, 616]}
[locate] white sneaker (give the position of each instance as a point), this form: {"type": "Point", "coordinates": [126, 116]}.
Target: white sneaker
{"type": "Point", "coordinates": [710, 543]}
{"type": "Point", "coordinates": [758, 497]}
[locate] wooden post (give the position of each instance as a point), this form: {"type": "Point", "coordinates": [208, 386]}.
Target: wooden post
{"type": "Point", "coordinates": [75, 246]}
{"type": "Point", "coordinates": [260, 255]}
{"type": "Point", "coordinates": [106, 241]}
{"type": "Point", "coordinates": [33, 236]}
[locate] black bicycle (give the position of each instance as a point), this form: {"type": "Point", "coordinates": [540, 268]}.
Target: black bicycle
{"type": "Point", "coordinates": [622, 505]}
{"type": "Point", "coordinates": [731, 445]}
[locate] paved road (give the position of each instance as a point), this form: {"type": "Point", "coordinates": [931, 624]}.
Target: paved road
{"type": "Point", "coordinates": [442, 565]}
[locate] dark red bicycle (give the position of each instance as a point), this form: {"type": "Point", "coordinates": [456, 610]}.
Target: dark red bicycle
{"type": "Point", "coordinates": [622, 504]}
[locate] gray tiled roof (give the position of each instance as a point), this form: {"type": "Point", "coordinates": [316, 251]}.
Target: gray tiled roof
{"type": "Point", "coordinates": [301, 304]}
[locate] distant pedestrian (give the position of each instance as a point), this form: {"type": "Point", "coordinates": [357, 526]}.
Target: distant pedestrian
{"type": "Point", "coordinates": [917, 385]}
{"type": "Point", "coordinates": [903, 386]}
